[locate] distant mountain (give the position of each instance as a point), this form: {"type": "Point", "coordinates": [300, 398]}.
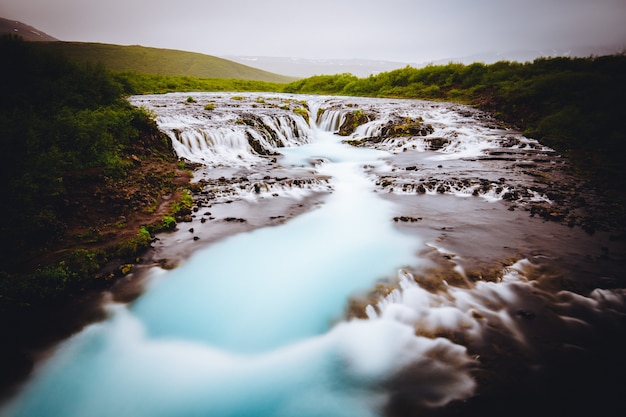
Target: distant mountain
{"type": "Point", "coordinates": [302, 67]}
{"type": "Point", "coordinates": [28, 33]}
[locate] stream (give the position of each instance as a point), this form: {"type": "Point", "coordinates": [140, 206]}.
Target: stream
{"type": "Point", "coordinates": [428, 261]}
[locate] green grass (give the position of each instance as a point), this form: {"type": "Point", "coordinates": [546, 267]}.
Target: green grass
{"type": "Point", "coordinates": [135, 83]}
{"type": "Point", "coordinates": [169, 62]}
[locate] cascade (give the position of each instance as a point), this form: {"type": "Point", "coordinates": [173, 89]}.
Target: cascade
{"type": "Point", "coordinates": [331, 120]}
{"type": "Point", "coordinates": [255, 324]}
{"type": "Point", "coordinates": [245, 327]}
{"type": "Point", "coordinates": [228, 135]}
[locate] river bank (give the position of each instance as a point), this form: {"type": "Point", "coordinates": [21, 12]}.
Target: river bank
{"type": "Point", "coordinates": [101, 222]}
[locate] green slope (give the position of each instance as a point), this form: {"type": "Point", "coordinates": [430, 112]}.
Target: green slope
{"type": "Point", "coordinates": [146, 60]}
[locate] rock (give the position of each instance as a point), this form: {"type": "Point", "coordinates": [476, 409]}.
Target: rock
{"type": "Point", "coordinates": [406, 219]}
{"type": "Point", "coordinates": [352, 121]}
{"type": "Point", "coordinates": [407, 126]}
{"type": "Point", "coordinates": [435, 144]}
{"type": "Point", "coordinates": [234, 219]}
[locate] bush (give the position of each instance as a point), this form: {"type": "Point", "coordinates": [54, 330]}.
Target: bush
{"type": "Point", "coordinates": [131, 247]}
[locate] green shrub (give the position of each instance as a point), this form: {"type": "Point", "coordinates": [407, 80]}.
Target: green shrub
{"type": "Point", "coordinates": [168, 223]}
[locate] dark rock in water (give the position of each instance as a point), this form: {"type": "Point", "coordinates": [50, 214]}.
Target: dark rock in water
{"type": "Point", "coordinates": [352, 121]}
{"type": "Point", "coordinates": [186, 218]}
{"type": "Point", "coordinates": [434, 144]}
{"type": "Point", "coordinates": [406, 219]}
{"type": "Point", "coordinates": [234, 219]}
{"type": "Point", "coordinates": [510, 195]}
{"type": "Point", "coordinates": [510, 141]}
{"type": "Point", "coordinates": [406, 126]}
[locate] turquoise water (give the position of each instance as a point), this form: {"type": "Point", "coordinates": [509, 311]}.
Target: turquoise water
{"type": "Point", "coordinates": [246, 327]}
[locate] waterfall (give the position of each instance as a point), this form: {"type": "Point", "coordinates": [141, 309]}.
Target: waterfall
{"type": "Point", "coordinates": [331, 120]}
{"type": "Point", "coordinates": [385, 289]}
{"type": "Point", "coordinates": [227, 134]}
{"type": "Point", "coordinates": [251, 325]}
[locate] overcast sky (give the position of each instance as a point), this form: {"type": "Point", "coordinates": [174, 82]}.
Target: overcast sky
{"type": "Point", "coordinates": [395, 30]}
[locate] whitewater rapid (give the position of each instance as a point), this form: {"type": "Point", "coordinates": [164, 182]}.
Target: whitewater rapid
{"type": "Point", "coordinates": [388, 296]}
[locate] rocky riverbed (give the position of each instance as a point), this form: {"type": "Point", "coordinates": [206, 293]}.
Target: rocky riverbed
{"type": "Point", "coordinates": [490, 204]}
{"type": "Point", "coordinates": [511, 300]}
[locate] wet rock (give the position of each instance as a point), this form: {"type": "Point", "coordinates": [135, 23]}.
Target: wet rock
{"type": "Point", "coordinates": [352, 121]}
{"type": "Point", "coordinates": [235, 219]}
{"type": "Point", "coordinates": [510, 195]}
{"type": "Point", "coordinates": [435, 144]}
{"type": "Point", "coordinates": [406, 126]}
{"type": "Point", "coordinates": [406, 219]}
{"type": "Point", "coordinates": [509, 142]}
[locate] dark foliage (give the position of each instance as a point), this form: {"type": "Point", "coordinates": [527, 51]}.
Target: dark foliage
{"type": "Point", "coordinates": [58, 120]}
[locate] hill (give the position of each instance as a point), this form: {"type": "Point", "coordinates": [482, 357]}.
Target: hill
{"type": "Point", "coordinates": [142, 59]}
{"type": "Point", "coordinates": [28, 33]}
{"type": "Point", "coordinates": [169, 62]}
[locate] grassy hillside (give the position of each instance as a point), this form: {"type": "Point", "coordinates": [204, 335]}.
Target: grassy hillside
{"type": "Point", "coordinates": [167, 62]}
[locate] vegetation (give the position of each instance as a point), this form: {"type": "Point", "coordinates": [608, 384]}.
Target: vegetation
{"type": "Point", "coordinates": [137, 83]}
{"type": "Point", "coordinates": [574, 105]}
{"type": "Point", "coordinates": [168, 62]}
{"type": "Point", "coordinates": [77, 160]}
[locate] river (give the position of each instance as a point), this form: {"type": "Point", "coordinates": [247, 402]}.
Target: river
{"type": "Point", "coordinates": [439, 264]}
